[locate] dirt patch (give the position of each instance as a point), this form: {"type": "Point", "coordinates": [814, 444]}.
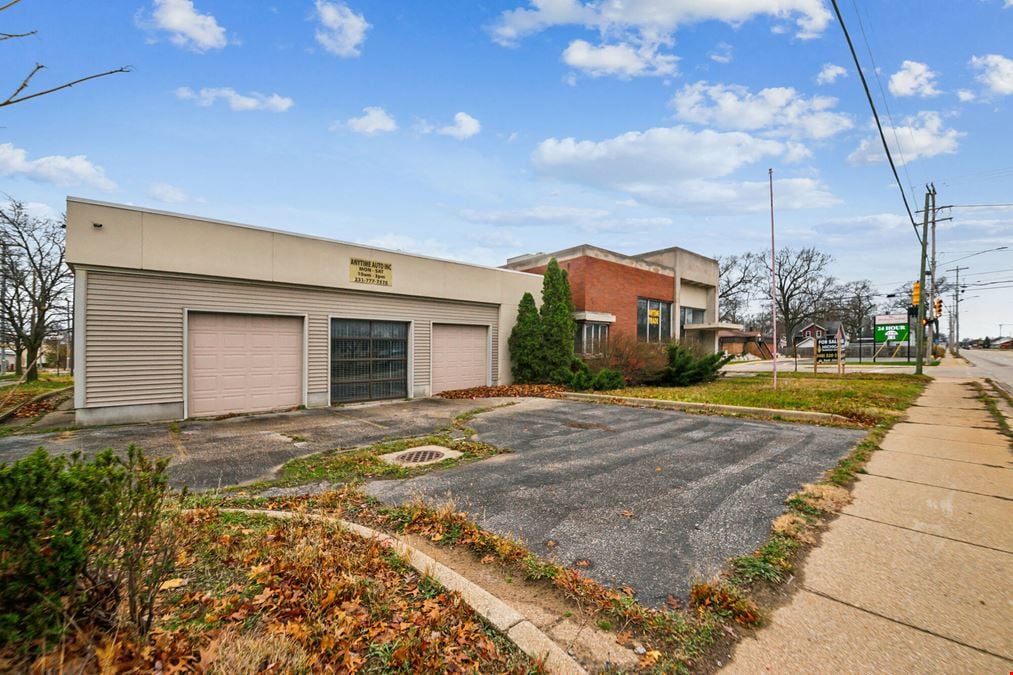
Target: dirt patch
{"type": "Point", "coordinates": [571, 626]}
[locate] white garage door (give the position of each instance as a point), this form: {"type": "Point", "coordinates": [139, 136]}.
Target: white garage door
{"type": "Point", "coordinates": [460, 357]}
{"type": "Point", "coordinates": [244, 363]}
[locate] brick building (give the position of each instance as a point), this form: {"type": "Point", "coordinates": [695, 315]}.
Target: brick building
{"type": "Point", "coordinates": [660, 296]}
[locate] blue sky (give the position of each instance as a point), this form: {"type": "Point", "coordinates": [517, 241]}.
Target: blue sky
{"type": "Point", "coordinates": [481, 130]}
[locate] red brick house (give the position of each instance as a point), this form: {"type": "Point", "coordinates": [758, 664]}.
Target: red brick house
{"type": "Point", "coordinates": [659, 296]}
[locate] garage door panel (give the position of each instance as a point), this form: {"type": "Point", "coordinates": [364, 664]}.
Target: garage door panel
{"type": "Point", "coordinates": [242, 363]}
{"type": "Point", "coordinates": [460, 357]}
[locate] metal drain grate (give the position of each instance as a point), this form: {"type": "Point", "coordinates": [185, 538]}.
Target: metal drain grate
{"type": "Point", "coordinates": [420, 456]}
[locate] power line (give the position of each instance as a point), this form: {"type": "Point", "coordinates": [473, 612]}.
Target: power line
{"type": "Point", "coordinates": [886, 102]}
{"type": "Point", "coordinates": [875, 115]}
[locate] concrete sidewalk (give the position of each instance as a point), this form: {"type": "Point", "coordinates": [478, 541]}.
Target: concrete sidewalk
{"type": "Point", "coordinates": [916, 575]}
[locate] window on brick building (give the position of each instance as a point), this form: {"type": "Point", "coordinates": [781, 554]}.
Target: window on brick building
{"type": "Point", "coordinates": [654, 320]}
{"type": "Point", "coordinates": [591, 337]}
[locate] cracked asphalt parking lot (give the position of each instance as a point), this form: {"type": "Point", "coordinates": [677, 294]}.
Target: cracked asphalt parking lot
{"type": "Point", "coordinates": [654, 499]}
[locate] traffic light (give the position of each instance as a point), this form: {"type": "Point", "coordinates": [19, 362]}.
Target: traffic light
{"type": "Point", "coordinates": [916, 294]}
{"type": "Point", "coordinates": [939, 307]}
{"type": "Point", "coordinates": [925, 322]}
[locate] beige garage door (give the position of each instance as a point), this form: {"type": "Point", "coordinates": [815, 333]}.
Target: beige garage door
{"type": "Point", "coordinates": [244, 363]}
{"type": "Point", "coordinates": [460, 357]}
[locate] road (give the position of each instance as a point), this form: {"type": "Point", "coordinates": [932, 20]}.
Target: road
{"type": "Point", "coordinates": [996, 364]}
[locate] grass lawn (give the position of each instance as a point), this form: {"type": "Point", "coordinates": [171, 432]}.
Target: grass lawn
{"type": "Point", "coordinates": [864, 398]}
{"type": "Point", "coordinates": [14, 395]}
{"type": "Point", "coordinates": [253, 594]}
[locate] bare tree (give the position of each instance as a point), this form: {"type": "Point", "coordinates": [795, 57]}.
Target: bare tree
{"type": "Point", "coordinates": [739, 275]}
{"type": "Point", "coordinates": [20, 93]}
{"type": "Point", "coordinates": [801, 286]}
{"type": "Point", "coordinates": [35, 275]}
{"type": "Point", "coordinates": [856, 306]}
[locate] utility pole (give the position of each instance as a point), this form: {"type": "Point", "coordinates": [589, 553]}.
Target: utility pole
{"type": "Point", "coordinates": [955, 321]}
{"type": "Point", "coordinates": [920, 323]}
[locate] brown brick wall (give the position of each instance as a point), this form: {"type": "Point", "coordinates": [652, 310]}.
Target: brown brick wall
{"type": "Point", "coordinates": [604, 286]}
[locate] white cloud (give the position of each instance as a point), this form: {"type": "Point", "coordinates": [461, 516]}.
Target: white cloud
{"type": "Point", "coordinates": [653, 20]}
{"type": "Point", "coordinates": [914, 79]}
{"type": "Point", "coordinates": [829, 73]}
{"type": "Point", "coordinates": [921, 136]}
{"type": "Point", "coordinates": [236, 101]}
{"type": "Point", "coordinates": [676, 166]}
{"type": "Point", "coordinates": [341, 30]}
{"type": "Point", "coordinates": [375, 120]}
{"type": "Point", "coordinates": [779, 110]}
{"type": "Point", "coordinates": [540, 214]}
{"type": "Point", "coordinates": [464, 126]}
{"type": "Point", "coordinates": [42, 211]}
{"type": "Point", "coordinates": [187, 27]}
{"type": "Point", "coordinates": [966, 95]}
{"type": "Point", "coordinates": [585, 219]}
{"type": "Point", "coordinates": [170, 194]}
{"type": "Point", "coordinates": [55, 169]}
{"type": "Point", "coordinates": [995, 72]}
{"type": "Point", "coordinates": [621, 60]}
{"type": "Point", "coordinates": [722, 53]}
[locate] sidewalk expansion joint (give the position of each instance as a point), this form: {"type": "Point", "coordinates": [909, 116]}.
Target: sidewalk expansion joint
{"type": "Point", "coordinates": [927, 534]}
{"type": "Point", "coordinates": [904, 623]}
{"type": "Point", "coordinates": [949, 459]}
{"type": "Point", "coordinates": [942, 487]}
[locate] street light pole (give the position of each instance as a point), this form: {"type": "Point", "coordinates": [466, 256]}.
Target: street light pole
{"type": "Point", "coordinates": [773, 275]}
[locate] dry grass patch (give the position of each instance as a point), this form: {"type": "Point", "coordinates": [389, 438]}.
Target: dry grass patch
{"type": "Point", "coordinates": [825, 497]}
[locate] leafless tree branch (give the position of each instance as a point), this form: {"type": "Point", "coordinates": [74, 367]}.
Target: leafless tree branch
{"type": "Point", "coordinates": [11, 36]}
{"type": "Point", "coordinates": [16, 96]}
{"type": "Point", "coordinates": [11, 100]}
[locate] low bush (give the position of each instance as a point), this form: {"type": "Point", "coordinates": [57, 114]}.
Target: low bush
{"type": "Point", "coordinates": [581, 378]}
{"type": "Point", "coordinates": [607, 379]}
{"type": "Point", "coordinates": [686, 368]}
{"type": "Point", "coordinates": [637, 362]}
{"type": "Point", "coordinates": [81, 541]}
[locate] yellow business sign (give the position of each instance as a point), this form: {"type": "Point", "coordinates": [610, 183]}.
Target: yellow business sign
{"type": "Point", "coordinates": [370, 272]}
{"type": "Point", "coordinates": [654, 317]}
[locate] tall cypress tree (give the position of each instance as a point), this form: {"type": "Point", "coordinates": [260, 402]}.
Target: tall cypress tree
{"type": "Point", "coordinates": [526, 343]}
{"type": "Point", "coordinates": [558, 326]}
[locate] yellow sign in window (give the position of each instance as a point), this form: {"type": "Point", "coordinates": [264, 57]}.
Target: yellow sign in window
{"type": "Point", "coordinates": [654, 317]}
{"type": "Point", "coordinates": [370, 272]}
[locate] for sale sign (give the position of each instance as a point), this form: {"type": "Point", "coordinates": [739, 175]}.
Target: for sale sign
{"type": "Point", "coordinates": [891, 328]}
{"type": "Point", "coordinates": [826, 349]}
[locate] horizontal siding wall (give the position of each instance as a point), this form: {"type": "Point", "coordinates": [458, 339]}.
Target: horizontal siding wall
{"type": "Point", "coordinates": [134, 328]}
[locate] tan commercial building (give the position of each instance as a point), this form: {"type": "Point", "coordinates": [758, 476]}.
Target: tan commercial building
{"type": "Point", "coordinates": [178, 316]}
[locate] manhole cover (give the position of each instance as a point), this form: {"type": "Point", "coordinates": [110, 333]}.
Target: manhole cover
{"type": "Point", "coordinates": [420, 456]}
{"type": "Point", "coordinates": [425, 454]}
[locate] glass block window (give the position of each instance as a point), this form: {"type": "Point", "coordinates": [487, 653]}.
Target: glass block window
{"type": "Point", "coordinates": [369, 360]}
{"type": "Point", "coordinates": [654, 320]}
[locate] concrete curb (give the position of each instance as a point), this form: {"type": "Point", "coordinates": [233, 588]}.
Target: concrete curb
{"type": "Point", "coordinates": [35, 399]}
{"type": "Point", "coordinates": [528, 637]}
{"type": "Point", "coordinates": [771, 413]}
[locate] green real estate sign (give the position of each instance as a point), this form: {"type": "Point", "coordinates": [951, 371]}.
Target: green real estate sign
{"type": "Point", "coordinates": [891, 328]}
